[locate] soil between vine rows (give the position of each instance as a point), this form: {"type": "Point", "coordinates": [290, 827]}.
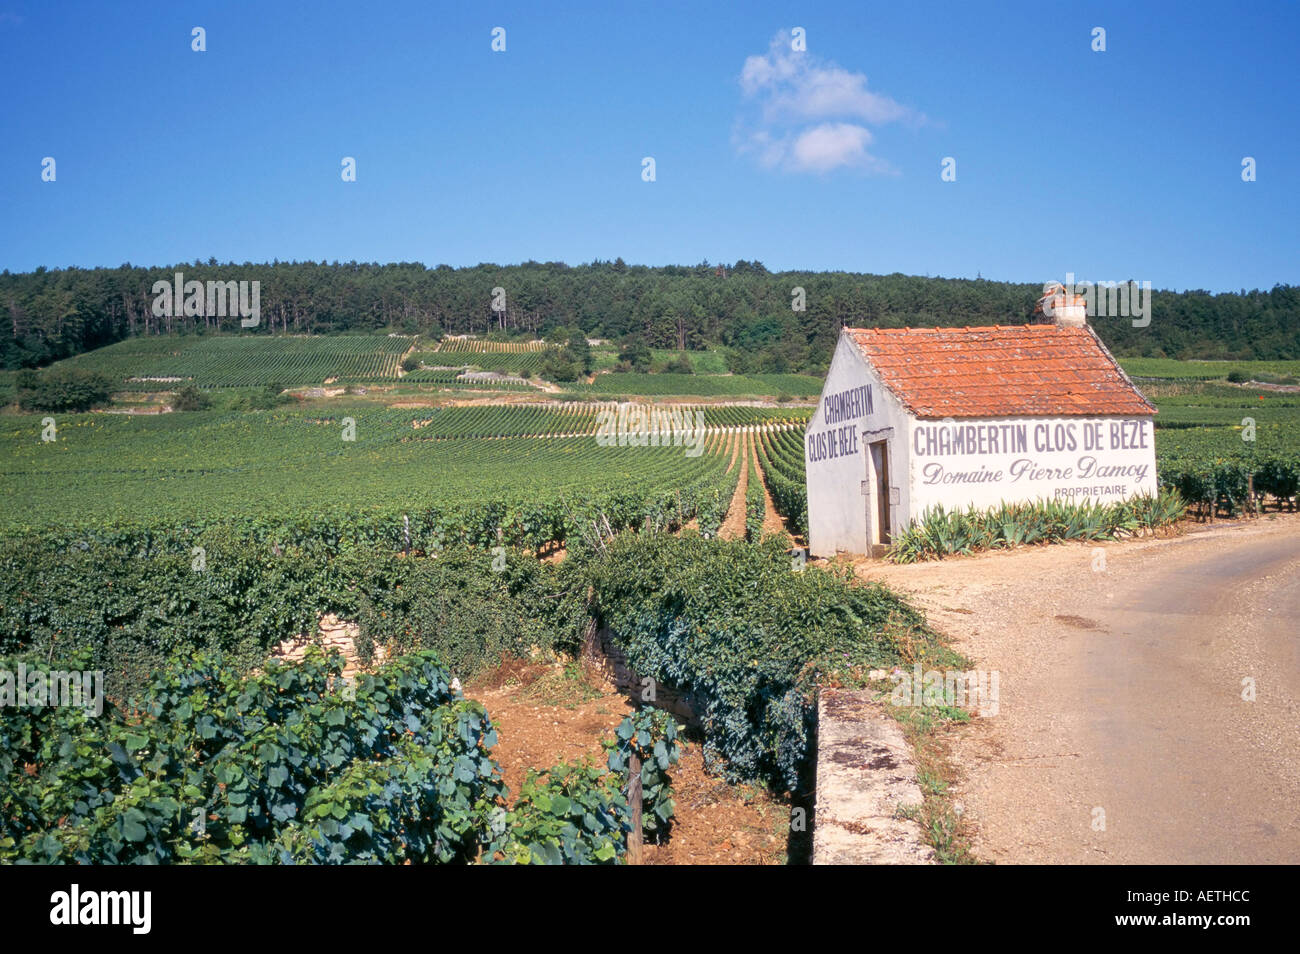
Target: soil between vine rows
{"type": "Point", "coordinates": [716, 823]}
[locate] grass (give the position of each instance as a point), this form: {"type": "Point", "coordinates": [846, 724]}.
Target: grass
{"type": "Point", "coordinates": [566, 686]}
{"type": "Point", "coordinates": [943, 823]}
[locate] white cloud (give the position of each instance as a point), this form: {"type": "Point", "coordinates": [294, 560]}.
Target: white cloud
{"type": "Point", "coordinates": [830, 145]}
{"type": "Point", "coordinates": [792, 89]}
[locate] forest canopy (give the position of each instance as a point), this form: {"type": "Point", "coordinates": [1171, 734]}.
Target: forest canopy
{"type": "Point", "coordinates": [55, 313]}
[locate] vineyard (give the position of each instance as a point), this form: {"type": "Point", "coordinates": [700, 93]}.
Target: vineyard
{"type": "Point", "coordinates": [296, 765]}
{"type": "Point", "coordinates": [456, 379]}
{"type": "Point", "coordinates": [176, 551]}
{"type": "Point", "coordinates": [514, 358]}
{"type": "Point", "coordinates": [781, 454]}
{"type": "Point", "coordinates": [486, 347]}
{"type": "Point", "coordinates": [703, 385]}
{"type": "Point", "coordinates": [164, 363]}
{"type": "Point", "coordinates": [1214, 444]}
{"type": "Point", "coordinates": [206, 752]}
{"type": "Point", "coordinates": [1207, 370]}
{"type": "Point", "coordinates": [246, 361]}
{"type": "Point", "coordinates": [367, 475]}
{"type": "Point", "coordinates": [464, 471]}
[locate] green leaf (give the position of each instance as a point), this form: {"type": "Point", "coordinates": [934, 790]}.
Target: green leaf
{"type": "Point", "coordinates": [133, 825]}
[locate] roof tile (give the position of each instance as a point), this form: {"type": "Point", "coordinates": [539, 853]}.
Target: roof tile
{"type": "Point", "coordinates": [1000, 371]}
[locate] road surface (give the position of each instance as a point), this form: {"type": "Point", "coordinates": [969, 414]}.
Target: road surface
{"type": "Point", "coordinates": [1122, 734]}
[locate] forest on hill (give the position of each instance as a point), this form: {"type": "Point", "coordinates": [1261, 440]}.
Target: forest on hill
{"type": "Point", "coordinates": [55, 313]}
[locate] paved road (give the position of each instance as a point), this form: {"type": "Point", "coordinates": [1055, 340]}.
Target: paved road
{"type": "Point", "coordinates": [1188, 769]}
{"type": "Point", "coordinates": [1121, 693]}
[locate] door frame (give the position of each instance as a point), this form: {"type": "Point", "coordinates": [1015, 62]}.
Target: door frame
{"type": "Point", "coordinates": [878, 487]}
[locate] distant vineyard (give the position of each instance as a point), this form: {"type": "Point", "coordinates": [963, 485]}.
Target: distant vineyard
{"type": "Point", "coordinates": [253, 360]}
{"type": "Point", "coordinates": [245, 361]}
{"type": "Point", "coordinates": [479, 346]}
{"type": "Point", "coordinates": [420, 477]}
{"type": "Point", "coordinates": [1215, 443]}
{"type": "Point", "coordinates": [516, 364]}
{"type": "Point", "coordinates": [703, 385]}
{"type": "Point", "coordinates": [725, 415]}
{"type": "Point", "coordinates": [453, 378]}
{"type": "Point", "coordinates": [1205, 370]}
{"type": "Point", "coordinates": [1216, 467]}
{"type": "Point", "coordinates": [507, 357]}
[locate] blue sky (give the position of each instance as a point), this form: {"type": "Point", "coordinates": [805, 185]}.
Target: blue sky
{"type": "Point", "coordinates": [1111, 165]}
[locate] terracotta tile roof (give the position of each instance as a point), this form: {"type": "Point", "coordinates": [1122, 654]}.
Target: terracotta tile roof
{"type": "Point", "coordinates": [1000, 371]}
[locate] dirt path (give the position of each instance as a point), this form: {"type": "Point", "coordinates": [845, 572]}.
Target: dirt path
{"type": "Point", "coordinates": [733, 526]}
{"type": "Point", "coordinates": [406, 354]}
{"type": "Point", "coordinates": [1121, 693]}
{"type": "Point", "coordinates": [732, 445]}
{"type": "Point", "coordinates": [716, 823]}
{"type": "Point", "coordinates": [773, 522]}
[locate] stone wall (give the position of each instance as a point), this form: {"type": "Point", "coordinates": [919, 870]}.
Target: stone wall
{"type": "Point", "coordinates": [605, 655]}
{"type": "Point", "coordinates": [865, 775]}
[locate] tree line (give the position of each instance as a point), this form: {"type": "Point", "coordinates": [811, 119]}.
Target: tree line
{"type": "Point", "coordinates": [756, 314]}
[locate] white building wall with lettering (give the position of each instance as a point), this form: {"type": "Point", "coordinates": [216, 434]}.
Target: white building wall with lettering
{"type": "Point", "coordinates": [987, 461]}
{"type": "Point", "coordinates": [836, 463]}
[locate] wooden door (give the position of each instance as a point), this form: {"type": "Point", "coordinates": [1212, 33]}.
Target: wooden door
{"type": "Point", "coordinates": [878, 499]}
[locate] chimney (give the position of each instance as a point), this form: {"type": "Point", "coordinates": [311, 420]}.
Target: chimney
{"type": "Point", "coordinates": [1062, 306]}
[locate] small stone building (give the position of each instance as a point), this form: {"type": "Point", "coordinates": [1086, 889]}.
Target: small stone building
{"type": "Point", "coordinates": [914, 417]}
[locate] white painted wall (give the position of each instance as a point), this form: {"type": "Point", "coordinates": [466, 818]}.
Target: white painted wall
{"type": "Point", "coordinates": [1098, 459]}
{"type": "Point", "coordinates": [835, 458]}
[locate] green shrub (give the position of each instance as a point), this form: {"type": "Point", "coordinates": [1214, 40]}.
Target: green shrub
{"type": "Point", "coordinates": [190, 398]}
{"type": "Point", "coordinates": [62, 389]}
{"type": "Point", "coordinates": [731, 624]}
{"type": "Point", "coordinates": [940, 532]}
{"type": "Point", "coordinates": [471, 614]}
{"type": "Point", "coordinates": [650, 735]}
{"type": "Point", "coordinates": [755, 501]}
{"type": "Point", "coordinates": [636, 355]}
{"type": "Point", "coordinates": [734, 627]}
{"type": "Point", "coordinates": [133, 603]}
{"type": "Point", "coordinates": [131, 609]}
{"type": "Point", "coordinates": [286, 765]}
{"type": "Point", "coordinates": [558, 365]}
{"type": "Point", "coordinates": [569, 814]}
